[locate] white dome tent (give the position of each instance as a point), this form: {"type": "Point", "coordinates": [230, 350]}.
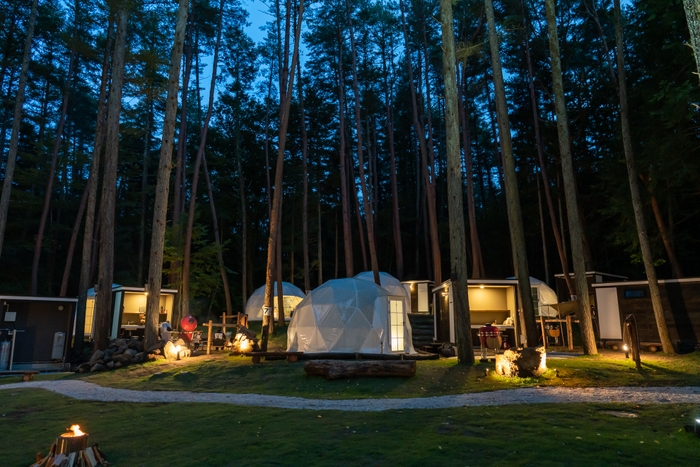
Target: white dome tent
{"type": "Point", "coordinates": [348, 316]}
{"type": "Point", "coordinates": [291, 298]}
{"type": "Point", "coordinates": [542, 298]}
{"type": "Point", "coordinates": [396, 289]}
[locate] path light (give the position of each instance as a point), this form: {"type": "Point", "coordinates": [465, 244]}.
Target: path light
{"type": "Point", "coordinates": [695, 428]}
{"type": "Point", "coordinates": [626, 348]}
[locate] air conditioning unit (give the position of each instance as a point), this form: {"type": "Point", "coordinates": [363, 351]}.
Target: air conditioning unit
{"type": "Point", "coordinates": [59, 344]}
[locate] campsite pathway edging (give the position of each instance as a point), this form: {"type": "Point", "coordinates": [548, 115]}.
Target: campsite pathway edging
{"type": "Point", "coordinates": [83, 390]}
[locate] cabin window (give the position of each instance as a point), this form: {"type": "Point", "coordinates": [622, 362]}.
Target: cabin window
{"type": "Point", "coordinates": [635, 293]}
{"type": "Point", "coordinates": [396, 320]}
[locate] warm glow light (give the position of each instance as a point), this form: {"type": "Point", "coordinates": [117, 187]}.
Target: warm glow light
{"type": "Point", "coordinates": [177, 348]}
{"type": "Point", "coordinates": [481, 286]}
{"type": "Point", "coordinates": [76, 430]}
{"type": "Point", "coordinates": [625, 348]}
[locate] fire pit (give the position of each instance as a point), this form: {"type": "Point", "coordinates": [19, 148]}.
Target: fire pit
{"type": "Point", "coordinates": [71, 450]}
{"type": "Point", "coordinates": [74, 440]}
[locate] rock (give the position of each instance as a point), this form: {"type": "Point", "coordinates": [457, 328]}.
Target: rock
{"type": "Point", "coordinates": [244, 341]}
{"type": "Point", "coordinates": [118, 365]}
{"type": "Point", "coordinates": [523, 363]}
{"type": "Point", "coordinates": [123, 347]}
{"type": "Point", "coordinates": [97, 367]}
{"type": "Point", "coordinates": [84, 368]}
{"type": "Point", "coordinates": [136, 345]}
{"type": "Point", "coordinates": [138, 358]}
{"type": "Point", "coordinates": [156, 347]}
{"type": "Point", "coordinates": [109, 352]}
{"type": "Point", "coordinates": [107, 360]}
{"type": "Point", "coordinates": [100, 361]}
{"type": "Point", "coordinates": [96, 356]}
{"type": "Point", "coordinates": [119, 342]}
{"type": "Point", "coordinates": [130, 353]}
{"type": "Point", "coordinates": [110, 365]}
{"type": "Point", "coordinates": [447, 350]}
{"type": "Point", "coordinates": [154, 357]}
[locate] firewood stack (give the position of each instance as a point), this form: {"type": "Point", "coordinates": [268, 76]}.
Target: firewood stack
{"type": "Point", "coordinates": [88, 457]}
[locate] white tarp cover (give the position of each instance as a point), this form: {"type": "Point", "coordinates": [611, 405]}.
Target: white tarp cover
{"type": "Point", "coordinates": [546, 296]}
{"type": "Point", "coordinates": [396, 289]}
{"type": "Point", "coordinates": [342, 315]}
{"type": "Point", "coordinates": [291, 298]}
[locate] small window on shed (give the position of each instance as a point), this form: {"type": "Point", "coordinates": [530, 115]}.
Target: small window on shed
{"type": "Point", "coordinates": [635, 293]}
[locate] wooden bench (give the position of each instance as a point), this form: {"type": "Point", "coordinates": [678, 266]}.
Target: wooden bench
{"type": "Point", "coordinates": [27, 375]}
{"type": "Point", "coordinates": [290, 356]}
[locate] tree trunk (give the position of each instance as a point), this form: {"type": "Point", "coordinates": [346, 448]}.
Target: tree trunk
{"type": "Point", "coordinates": [347, 232]}
{"type": "Point", "coordinates": [320, 247]}
{"type": "Point", "coordinates": [185, 296]}
{"type": "Point", "coordinates": [103, 298]}
{"type": "Point", "coordinates": [88, 253]}
{"type": "Point", "coordinates": [395, 218]}
{"type": "Point", "coordinates": [160, 205]}
{"type": "Point", "coordinates": [666, 237]}
{"type": "Point", "coordinates": [16, 121]}
{"type": "Point", "coordinates": [360, 156]}
{"type": "Point", "coordinates": [430, 189]}
{"type": "Point", "coordinates": [52, 171]}
{"type": "Point", "coordinates": [144, 188]}
{"type": "Point", "coordinates": [217, 240]}
{"type": "Point", "coordinates": [180, 161]}
{"type": "Point", "coordinates": [305, 195]}
{"type": "Point", "coordinates": [561, 249]}
{"type": "Point", "coordinates": [544, 237]}
{"type": "Point", "coordinates": [358, 213]}
{"type": "Point", "coordinates": [458, 256]}
{"type": "Point", "coordinates": [477, 258]}
{"type": "Point", "coordinates": [567, 165]}
{"type": "Point", "coordinates": [244, 222]}
{"type": "Point", "coordinates": [72, 243]}
{"type": "Point", "coordinates": [515, 219]}
{"type": "Point", "coordinates": [634, 190]}
{"type": "Point", "coordinates": [287, 76]}
{"type": "Point", "coordinates": [692, 14]}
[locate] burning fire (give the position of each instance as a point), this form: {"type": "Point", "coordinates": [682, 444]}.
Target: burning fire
{"type": "Point", "coordinates": [76, 430]}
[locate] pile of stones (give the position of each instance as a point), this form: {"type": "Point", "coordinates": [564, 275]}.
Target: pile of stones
{"type": "Point", "coordinates": [120, 353]}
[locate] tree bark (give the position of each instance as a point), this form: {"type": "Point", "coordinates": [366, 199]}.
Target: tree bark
{"type": "Point", "coordinates": [244, 222]}
{"type": "Point", "coordinates": [477, 257]}
{"type": "Point", "coordinates": [52, 171]}
{"type": "Point", "coordinates": [567, 166]}
{"type": "Point", "coordinates": [561, 249]}
{"type": "Point", "coordinates": [347, 233]}
{"type": "Point", "coordinates": [186, 264]}
{"type": "Point", "coordinates": [103, 297]}
{"type": "Point", "coordinates": [72, 243]}
{"type": "Point", "coordinates": [666, 237]}
{"type": "Point", "coordinates": [458, 256]}
{"type": "Point", "coordinates": [16, 121]}
{"type": "Point", "coordinates": [287, 76]}
{"type": "Point", "coordinates": [144, 188]}
{"type": "Point", "coordinates": [88, 251]}
{"type": "Point", "coordinates": [363, 183]}
{"type": "Point", "coordinates": [160, 205]}
{"type": "Point", "coordinates": [515, 219]}
{"type": "Point", "coordinates": [637, 205]}
{"type": "Point", "coordinates": [305, 195]}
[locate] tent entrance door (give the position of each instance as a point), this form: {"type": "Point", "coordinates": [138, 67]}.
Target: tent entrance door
{"type": "Point", "coordinates": [396, 325]}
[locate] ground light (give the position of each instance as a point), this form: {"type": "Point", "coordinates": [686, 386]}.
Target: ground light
{"type": "Point", "coordinates": [626, 348]}
{"type": "Point", "coordinates": [694, 428]}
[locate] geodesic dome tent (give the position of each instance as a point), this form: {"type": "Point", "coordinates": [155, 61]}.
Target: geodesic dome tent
{"type": "Point", "coordinates": [291, 297]}
{"type": "Point", "coordinates": [543, 297]}
{"type": "Point", "coordinates": [396, 289]}
{"type": "Point", "coordinates": [346, 315]}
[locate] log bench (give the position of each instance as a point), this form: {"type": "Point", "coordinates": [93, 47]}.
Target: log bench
{"type": "Point", "coordinates": [27, 375]}
{"type": "Point", "coordinates": [337, 369]}
{"type": "Point", "coordinates": [289, 356]}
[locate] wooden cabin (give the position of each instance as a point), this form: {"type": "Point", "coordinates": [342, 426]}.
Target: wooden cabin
{"type": "Point", "coordinates": [592, 277]}
{"type": "Point", "coordinates": [681, 303]}
{"type": "Point", "coordinates": [490, 301]}
{"type": "Point", "coordinates": [128, 314]}
{"type": "Point", "coordinates": [35, 332]}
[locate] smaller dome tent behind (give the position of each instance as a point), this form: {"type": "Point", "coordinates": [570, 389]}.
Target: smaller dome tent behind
{"type": "Point", "coordinates": [395, 289]}
{"type": "Point", "coordinates": [292, 296]}
{"type": "Point", "coordinates": [342, 315]}
{"type": "Point", "coordinates": [545, 296]}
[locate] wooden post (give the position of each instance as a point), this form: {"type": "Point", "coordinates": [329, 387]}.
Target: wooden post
{"type": "Point", "coordinates": [209, 336]}
{"type": "Point", "coordinates": [569, 333]}
{"type": "Point", "coordinates": [223, 328]}
{"type": "Point", "coordinates": [544, 332]}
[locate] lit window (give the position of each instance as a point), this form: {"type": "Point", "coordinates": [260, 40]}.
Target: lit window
{"type": "Point", "coordinates": [396, 320]}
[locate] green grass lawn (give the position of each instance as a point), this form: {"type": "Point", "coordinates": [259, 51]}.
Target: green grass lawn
{"type": "Point", "coordinates": [221, 373]}
{"type": "Point", "coordinates": [203, 435]}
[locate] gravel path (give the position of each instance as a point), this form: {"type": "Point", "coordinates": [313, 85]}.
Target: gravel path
{"type": "Point", "coordinates": [547, 395]}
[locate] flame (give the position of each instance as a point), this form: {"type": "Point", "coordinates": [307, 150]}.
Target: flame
{"type": "Point", "coordinates": [76, 430]}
